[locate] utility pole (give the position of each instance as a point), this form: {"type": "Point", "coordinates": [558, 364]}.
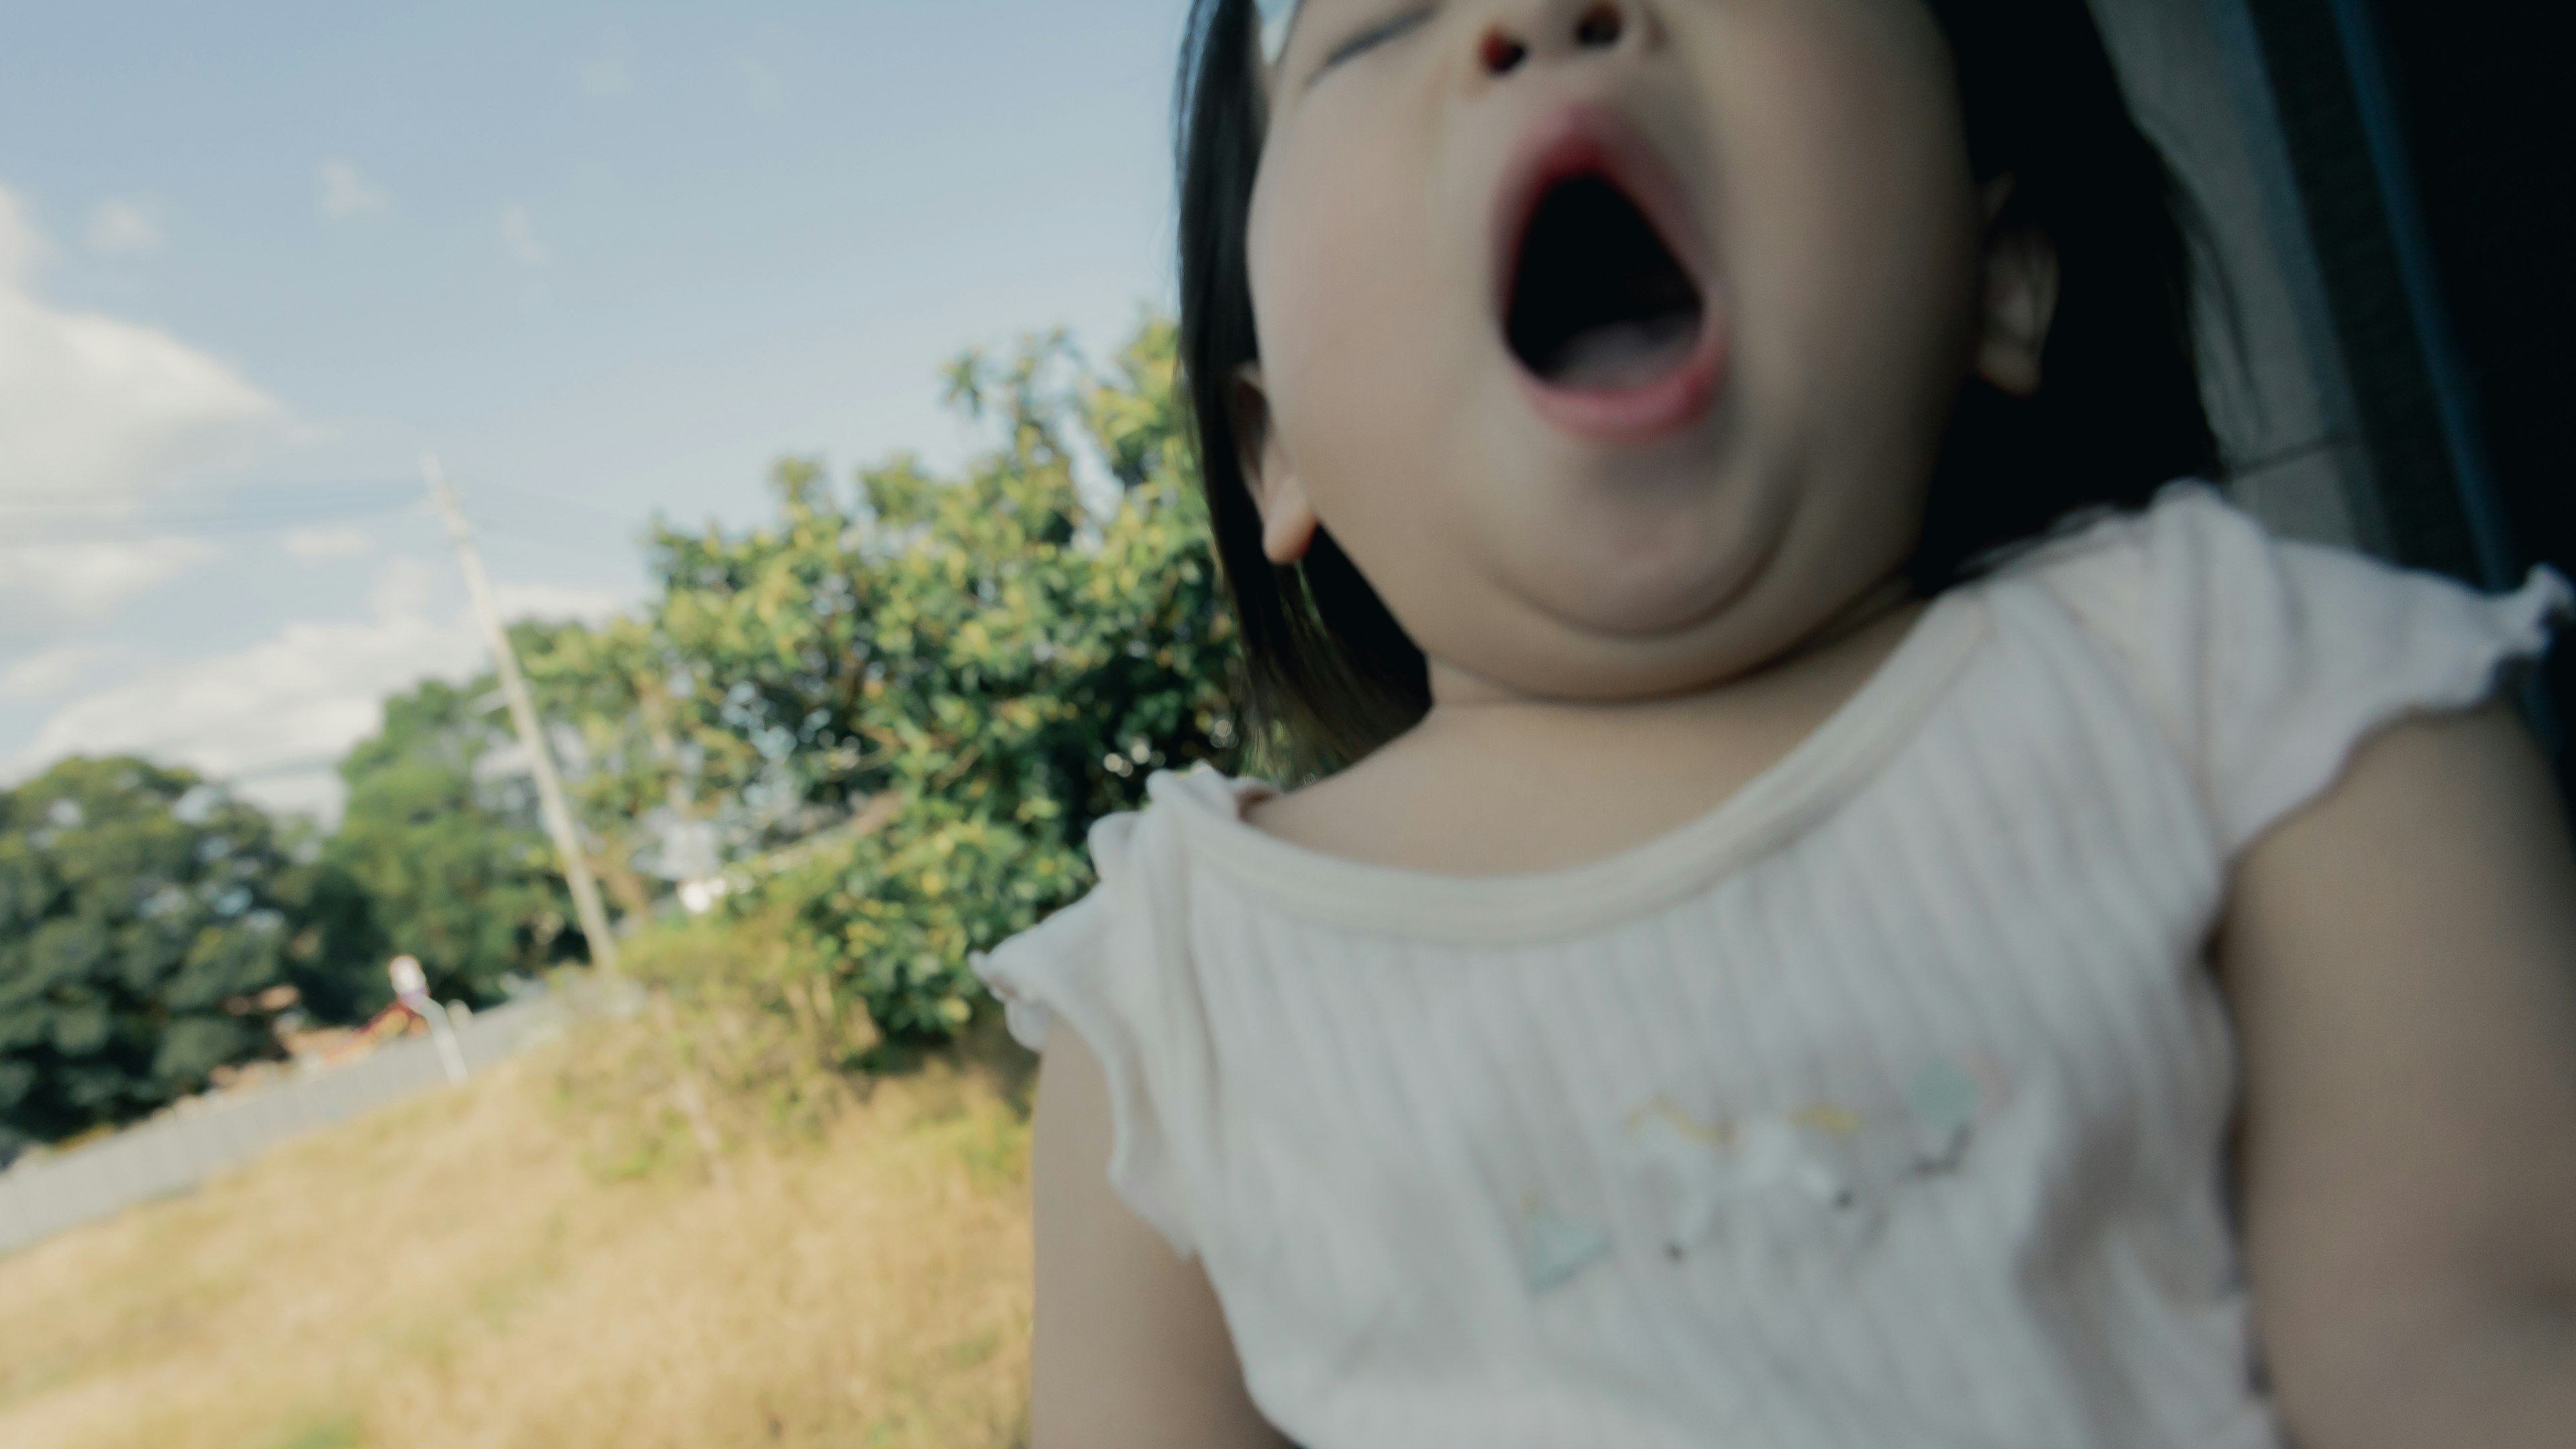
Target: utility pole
{"type": "Point", "coordinates": [523, 715]}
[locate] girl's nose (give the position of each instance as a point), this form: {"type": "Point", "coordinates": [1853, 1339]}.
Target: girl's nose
{"type": "Point", "coordinates": [1526, 32]}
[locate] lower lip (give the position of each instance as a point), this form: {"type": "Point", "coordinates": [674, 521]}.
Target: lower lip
{"type": "Point", "coordinates": [1658, 409]}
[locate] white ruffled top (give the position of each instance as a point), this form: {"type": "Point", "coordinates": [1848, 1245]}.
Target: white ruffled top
{"type": "Point", "coordinates": [1883, 1105]}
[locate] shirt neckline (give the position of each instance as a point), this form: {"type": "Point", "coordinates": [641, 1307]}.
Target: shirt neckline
{"type": "Point", "coordinates": [1841, 754]}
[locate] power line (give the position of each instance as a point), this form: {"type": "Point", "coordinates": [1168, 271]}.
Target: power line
{"type": "Point", "coordinates": [320, 489]}
{"type": "Point", "coordinates": [279, 507]}
{"type": "Point", "coordinates": [201, 527]}
{"type": "Point", "coordinates": [248, 511]}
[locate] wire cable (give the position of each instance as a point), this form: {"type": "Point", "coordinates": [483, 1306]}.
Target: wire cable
{"type": "Point", "coordinates": [252, 510]}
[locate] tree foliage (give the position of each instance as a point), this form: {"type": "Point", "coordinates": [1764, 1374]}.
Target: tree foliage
{"type": "Point", "coordinates": [977, 665]}
{"type": "Point", "coordinates": [440, 832]}
{"type": "Point", "coordinates": [146, 919]}
{"type": "Point", "coordinates": [886, 716]}
{"type": "Point", "coordinates": [1027, 679]}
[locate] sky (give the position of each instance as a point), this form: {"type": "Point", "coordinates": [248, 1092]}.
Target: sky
{"type": "Point", "coordinates": [257, 259]}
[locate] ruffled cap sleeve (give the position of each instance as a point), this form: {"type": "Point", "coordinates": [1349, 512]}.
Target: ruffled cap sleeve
{"type": "Point", "coordinates": [2269, 661]}
{"type": "Point", "coordinates": [1095, 967]}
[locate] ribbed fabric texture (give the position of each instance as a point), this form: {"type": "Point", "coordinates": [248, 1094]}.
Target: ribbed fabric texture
{"type": "Point", "coordinates": [1881, 1107]}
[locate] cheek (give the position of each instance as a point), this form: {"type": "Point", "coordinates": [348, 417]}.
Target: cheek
{"type": "Point", "coordinates": [1349, 295]}
{"type": "Point", "coordinates": [1855, 226]}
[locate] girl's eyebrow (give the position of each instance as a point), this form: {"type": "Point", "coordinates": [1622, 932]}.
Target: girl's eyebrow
{"type": "Point", "coordinates": [1377, 34]}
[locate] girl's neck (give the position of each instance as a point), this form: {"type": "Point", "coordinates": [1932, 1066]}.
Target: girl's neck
{"type": "Point", "coordinates": [1874, 618]}
{"type": "Point", "coordinates": [1492, 782]}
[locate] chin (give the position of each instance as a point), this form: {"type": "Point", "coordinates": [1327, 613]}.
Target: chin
{"type": "Point", "coordinates": [1649, 552]}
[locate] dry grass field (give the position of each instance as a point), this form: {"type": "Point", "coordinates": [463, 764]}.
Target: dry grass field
{"type": "Point", "coordinates": [518, 1263]}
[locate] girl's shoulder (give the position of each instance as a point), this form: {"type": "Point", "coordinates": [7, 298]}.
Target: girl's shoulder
{"type": "Point", "coordinates": [1135, 854]}
{"type": "Point", "coordinates": [2266, 659]}
{"type": "Point", "coordinates": [1101, 968]}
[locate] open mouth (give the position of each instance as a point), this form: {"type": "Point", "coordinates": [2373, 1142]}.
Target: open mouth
{"type": "Point", "coordinates": [1604, 295]}
{"type": "Point", "coordinates": [1598, 301]}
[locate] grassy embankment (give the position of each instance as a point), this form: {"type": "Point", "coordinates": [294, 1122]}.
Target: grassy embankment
{"type": "Point", "coordinates": [540, 1259]}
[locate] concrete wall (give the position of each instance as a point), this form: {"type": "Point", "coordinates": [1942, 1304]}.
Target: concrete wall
{"type": "Point", "coordinates": [41, 1197]}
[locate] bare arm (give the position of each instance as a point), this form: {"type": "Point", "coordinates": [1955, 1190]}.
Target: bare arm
{"type": "Point", "coordinates": [1130, 1349]}
{"type": "Point", "coordinates": [2403, 960]}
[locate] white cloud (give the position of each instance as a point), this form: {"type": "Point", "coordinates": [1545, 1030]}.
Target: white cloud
{"type": "Point", "coordinates": [519, 237]}
{"type": "Point", "coordinates": [22, 248]}
{"type": "Point", "coordinates": [84, 580]}
{"type": "Point", "coordinates": [604, 76]}
{"type": "Point", "coordinates": [325, 543]}
{"type": "Point", "coordinates": [53, 672]}
{"type": "Point", "coordinates": [97, 413]}
{"type": "Point", "coordinates": [123, 229]}
{"type": "Point", "coordinates": [554, 603]}
{"type": "Point", "coordinates": [315, 789]}
{"type": "Point", "coordinates": [277, 715]}
{"type": "Point", "coordinates": [347, 194]}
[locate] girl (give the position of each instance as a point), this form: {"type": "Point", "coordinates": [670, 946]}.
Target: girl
{"type": "Point", "coordinates": [1774, 967]}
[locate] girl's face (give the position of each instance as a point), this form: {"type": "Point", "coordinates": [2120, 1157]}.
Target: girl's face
{"type": "Point", "coordinates": [1613, 339]}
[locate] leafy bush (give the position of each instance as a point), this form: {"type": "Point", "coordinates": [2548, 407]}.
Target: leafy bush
{"type": "Point", "coordinates": [148, 923]}
{"type": "Point", "coordinates": [979, 666]}
{"type": "Point", "coordinates": [890, 712]}
{"type": "Point", "coordinates": [1022, 667]}
{"type": "Point", "coordinates": [769, 1040]}
{"type": "Point", "coordinates": [454, 867]}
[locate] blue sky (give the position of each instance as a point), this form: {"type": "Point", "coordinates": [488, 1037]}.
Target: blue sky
{"type": "Point", "coordinates": [256, 258]}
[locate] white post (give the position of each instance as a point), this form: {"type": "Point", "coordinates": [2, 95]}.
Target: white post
{"type": "Point", "coordinates": [411, 988]}
{"type": "Point", "coordinates": [523, 716]}
{"type": "Point", "coordinates": [451, 1053]}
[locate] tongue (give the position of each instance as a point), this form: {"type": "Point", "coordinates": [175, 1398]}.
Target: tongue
{"type": "Point", "coordinates": [1617, 356]}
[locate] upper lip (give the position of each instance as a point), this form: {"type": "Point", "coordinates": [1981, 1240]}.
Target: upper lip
{"type": "Point", "coordinates": [1591, 139]}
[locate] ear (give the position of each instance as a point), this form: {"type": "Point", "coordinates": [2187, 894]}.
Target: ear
{"type": "Point", "coordinates": [2020, 302]}
{"type": "Point", "coordinates": [1288, 521]}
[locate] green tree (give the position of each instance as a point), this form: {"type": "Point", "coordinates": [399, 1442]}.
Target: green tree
{"type": "Point", "coordinates": [442, 839]}
{"type": "Point", "coordinates": [894, 707]}
{"type": "Point", "coordinates": [146, 919]}
{"type": "Point", "coordinates": [993, 660]}
{"type": "Point", "coordinates": [607, 692]}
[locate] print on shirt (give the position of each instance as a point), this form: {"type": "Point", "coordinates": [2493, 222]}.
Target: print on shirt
{"type": "Point", "coordinates": [1821, 1170]}
{"type": "Point", "coordinates": [1555, 1248]}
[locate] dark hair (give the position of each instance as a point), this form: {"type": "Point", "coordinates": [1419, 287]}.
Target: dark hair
{"type": "Point", "coordinates": [2118, 414]}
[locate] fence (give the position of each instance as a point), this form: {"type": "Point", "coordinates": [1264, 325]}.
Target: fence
{"type": "Point", "coordinates": [44, 1196]}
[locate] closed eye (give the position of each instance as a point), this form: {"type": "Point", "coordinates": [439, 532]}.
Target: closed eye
{"type": "Point", "coordinates": [1376, 35]}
